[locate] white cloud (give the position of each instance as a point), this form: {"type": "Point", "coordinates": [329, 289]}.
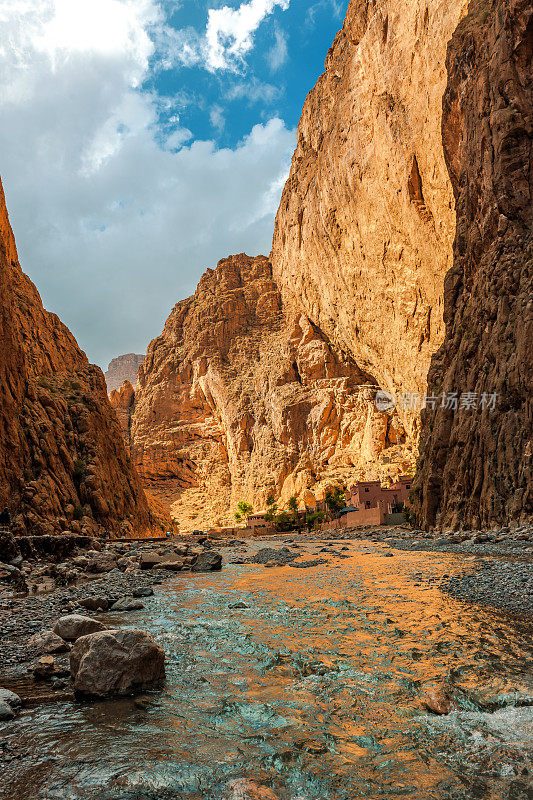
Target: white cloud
{"type": "Point", "coordinates": [253, 90]}
{"type": "Point", "coordinates": [116, 217]}
{"type": "Point", "coordinates": [230, 31]}
{"type": "Point", "coordinates": [278, 53]}
{"type": "Point", "coordinates": [216, 117]}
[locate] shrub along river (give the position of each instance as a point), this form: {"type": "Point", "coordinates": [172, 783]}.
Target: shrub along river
{"type": "Point", "coordinates": [313, 688]}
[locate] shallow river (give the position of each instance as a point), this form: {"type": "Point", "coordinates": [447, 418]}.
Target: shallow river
{"type": "Point", "coordinates": [314, 689]}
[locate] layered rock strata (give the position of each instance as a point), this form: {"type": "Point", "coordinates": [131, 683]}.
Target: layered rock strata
{"type": "Point", "coordinates": [63, 464]}
{"type": "Point", "coordinates": [476, 462]}
{"type": "Point", "coordinates": [236, 399]}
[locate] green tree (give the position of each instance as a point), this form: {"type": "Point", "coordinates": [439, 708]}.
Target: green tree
{"type": "Point", "coordinates": [272, 508]}
{"type": "Point", "coordinates": [283, 521]}
{"type": "Point", "coordinates": [311, 518]}
{"type": "Point", "coordinates": [335, 499]}
{"type": "Point", "coordinates": [244, 510]}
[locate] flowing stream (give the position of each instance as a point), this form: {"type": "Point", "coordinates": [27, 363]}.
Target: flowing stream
{"type": "Point", "coordinates": [313, 689]}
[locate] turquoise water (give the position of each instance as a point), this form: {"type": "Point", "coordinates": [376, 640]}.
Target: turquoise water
{"type": "Point", "coordinates": [314, 690]}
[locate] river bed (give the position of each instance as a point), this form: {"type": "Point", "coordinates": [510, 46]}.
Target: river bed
{"type": "Point", "coordinates": [314, 688]}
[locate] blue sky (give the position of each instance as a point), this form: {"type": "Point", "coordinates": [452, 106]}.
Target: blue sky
{"type": "Point", "coordinates": [141, 141]}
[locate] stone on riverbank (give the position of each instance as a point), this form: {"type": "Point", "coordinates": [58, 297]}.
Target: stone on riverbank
{"type": "Point", "coordinates": [73, 626]}
{"type": "Point", "coordinates": [209, 561]}
{"type": "Point", "coordinates": [48, 642]}
{"type": "Point", "coordinates": [9, 704]}
{"type": "Point", "coordinates": [116, 662]}
{"type": "Point", "coordinates": [127, 604]}
{"type": "Point", "coordinates": [244, 789]}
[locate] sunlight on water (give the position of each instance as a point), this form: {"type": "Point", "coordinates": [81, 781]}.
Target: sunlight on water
{"type": "Point", "coordinates": [313, 689]}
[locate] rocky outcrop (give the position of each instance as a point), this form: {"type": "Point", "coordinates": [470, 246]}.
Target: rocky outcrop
{"type": "Point", "coordinates": [122, 400]}
{"type": "Point", "coordinates": [123, 368]}
{"type": "Point", "coordinates": [237, 399]}
{"type": "Point", "coordinates": [475, 465]}
{"type": "Point", "coordinates": [365, 227]}
{"type": "Point", "coordinates": [63, 465]}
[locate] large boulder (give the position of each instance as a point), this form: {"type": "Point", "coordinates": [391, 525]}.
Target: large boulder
{"type": "Point", "coordinates": [48, 642]}
{"type": "Point", "coordinates": [150, 559]}
{"type": "Point", "coordinates": [102, 562]}
{"type": "Point", "coordinates": [9, 704]}
{"type": "Point", "coordinates": [208, 562]}
{"type": "Point", "coordinates": [73, 626]}
{"type": "Point", "coordinates": [116, 662]}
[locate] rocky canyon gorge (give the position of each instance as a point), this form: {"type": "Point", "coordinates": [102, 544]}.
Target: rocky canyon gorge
{"type": "Point", "coordinates": [401, 262]}
{"type": "Point", "coordinates": [265, 379]}
{"type": "Point", "coordinates": [63, 464]}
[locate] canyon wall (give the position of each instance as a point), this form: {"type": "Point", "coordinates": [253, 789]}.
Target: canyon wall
{"type": "Point", "coordinates": [475, 468]}
{"type": "Point", "coordinates": [364, 231]}
{"type": "Point", "coordinates": [123, 368]}
{"type": "Point", "coordinates": [63, 465]}
{"type": "Point", "coordinates": [236, 399]}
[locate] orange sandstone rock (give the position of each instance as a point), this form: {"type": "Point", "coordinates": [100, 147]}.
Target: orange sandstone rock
{"type": "Point", "coordinates": [63, 464]}
{"type": "Point", "coordinates": [236, 399]}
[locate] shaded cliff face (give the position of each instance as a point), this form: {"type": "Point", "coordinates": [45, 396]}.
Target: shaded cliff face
{"type": "Point", "coordinates": [475, 466]}
{"type": "Point", "coordinates": [364, 231]}
{"type": "Point", "coordinates": [123, 368]}
{"type": "Point", "coordinates": [63, 464]}
{"type": "Point", "coordinates": [236, 399]}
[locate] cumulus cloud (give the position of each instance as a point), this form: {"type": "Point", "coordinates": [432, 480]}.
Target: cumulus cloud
{"type": "Point", "coordinates": [230, 31]}
{"type": "Point", "coordinates": [116, 216]}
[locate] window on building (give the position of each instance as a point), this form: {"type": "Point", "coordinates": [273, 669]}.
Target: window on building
{"type": "Point", "coordinates": [408, 486]}
{"type": "Point", "coordinates": [367, 489]}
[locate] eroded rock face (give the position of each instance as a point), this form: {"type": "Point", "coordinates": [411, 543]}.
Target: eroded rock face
{"type": "Point", "coordinates": [365, 227]}
{"type": "Point", "coordinates": [475, 466]}
{"type": "Point", "coordinates": [123, 368]}
{"type": "Point", "coordinates": [237, 398]}
{"type": "Point", "coordinates": [122, 400]}
{"type": "Point", "coordinates": [63, 465]}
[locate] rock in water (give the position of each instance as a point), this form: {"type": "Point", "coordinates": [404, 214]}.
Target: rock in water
{"type": "Point", "coordinates": [12, 699]}
{"type": "Point", "coordinates": [127, 604]}
{"type": "Point", "coordinates": [437, 702]}
{"type": "Point", "coordinates": [208, 562]}
{"type": "Point", "coordinates": [116, 663]}
{"type": "Point", "coordinates": [244, 789]}
{"type": "Point", "coordinates": [6, 712]}
{"type": "Point", "coordinates": [73, 626]}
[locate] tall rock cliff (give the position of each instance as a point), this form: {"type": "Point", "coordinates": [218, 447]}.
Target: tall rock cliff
{"type": "Point", "coordinates": [63, 464]}
{"type": "Point", "coordinates": [236, 399]}
{"type": "Point", "coordinates": [364, 231]}
{"type": "Point", "coordinates": [476, 464]}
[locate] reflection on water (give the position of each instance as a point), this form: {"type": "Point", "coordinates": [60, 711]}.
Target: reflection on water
{"type": "Point", "coordinates": [314, 688]}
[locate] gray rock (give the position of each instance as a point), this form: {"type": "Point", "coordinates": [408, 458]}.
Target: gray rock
{"type": "Point", "coordinates": [127, 604]}
{"type": "Point", "coordinates": [143, 591]}
{"type": "Point", "coordinates": [73, 626]}
{"type": "Point", "coordinates": [116, 662]}
{"type": "Point", "coordinates": [95, 603]}
{"type": "Point", "coordinates": [6, 712]}
{"type": "Point", "coordinates": [12, 699]}
{"type": "Point", "coordinates": [209, 561]}
{"type": "Point", "coordinates": [48, 642]}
